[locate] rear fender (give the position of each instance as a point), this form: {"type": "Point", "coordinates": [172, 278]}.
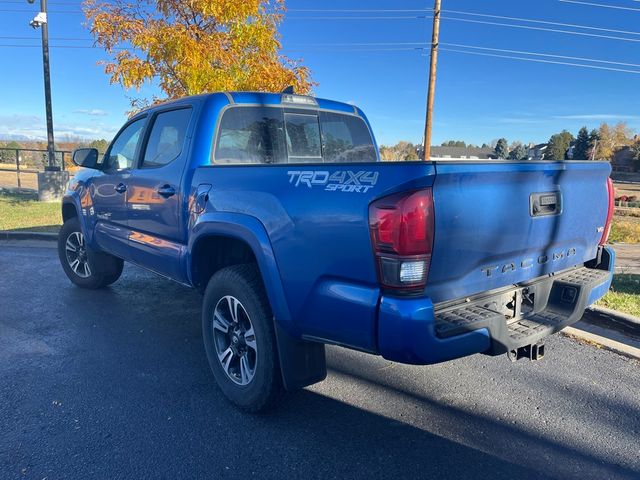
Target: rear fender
{"type": "Point", "coordinates": [252, 232]}
{"type": "Point", "coordinates": [302, 363]}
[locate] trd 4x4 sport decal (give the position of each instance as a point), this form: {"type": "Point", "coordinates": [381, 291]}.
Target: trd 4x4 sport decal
{"type": "Point", "coordinates": [340, 181]}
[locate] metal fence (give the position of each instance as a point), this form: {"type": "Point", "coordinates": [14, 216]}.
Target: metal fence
{"type": "Point", "coordinates": [19, 167]}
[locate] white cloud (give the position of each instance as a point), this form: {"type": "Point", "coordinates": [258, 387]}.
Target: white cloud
{"type": "Point", "coordinates": [522, 121]}
{"type": "Point", "coordinates": [34, 127]}
{"type": "Point", "coordinates": [94, 112]}
{"type": "Point", "coordinates": [598, 116]}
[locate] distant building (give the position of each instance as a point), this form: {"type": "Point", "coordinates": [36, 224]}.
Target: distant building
{"type": "Point", "coordinates": [462, 153]}
{"type": "Point", "coordinates": [536, 152]}
{"type": "Point", "coordinates": [622, 160]}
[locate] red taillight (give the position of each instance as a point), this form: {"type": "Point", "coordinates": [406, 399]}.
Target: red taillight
{"type": "Point", "coordinates": [402, 235]}
{"type": "Point", "coordinates": [612, 206]}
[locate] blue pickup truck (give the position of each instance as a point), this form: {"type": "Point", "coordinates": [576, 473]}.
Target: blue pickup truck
{"type": "Point", "coordinates": [277, 207]}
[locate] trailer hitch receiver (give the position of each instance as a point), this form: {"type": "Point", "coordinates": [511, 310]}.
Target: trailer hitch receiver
{"type": "Point", "coordinates": [532, 352]}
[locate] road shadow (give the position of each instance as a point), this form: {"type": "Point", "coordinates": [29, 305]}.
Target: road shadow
{"type": "Point", "coordinates": [124, 391]}
{"type": "Point", "coordinates": [544, 452]}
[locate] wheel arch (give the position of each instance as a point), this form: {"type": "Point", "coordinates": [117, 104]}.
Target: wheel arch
{"type": "Point", "coordinates": [229, 239]}
{"type": "Point", "coordinates": [69, 210]}
{"type": "Point", "coordinates": [302, 362]}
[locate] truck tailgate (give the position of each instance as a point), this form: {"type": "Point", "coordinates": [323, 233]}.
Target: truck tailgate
{"type": "Point", "coordinates": [501, 223]}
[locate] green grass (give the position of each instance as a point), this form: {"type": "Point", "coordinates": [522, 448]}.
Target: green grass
{"type": "Point", "coordinates": [624, 295]}
{"type": "Point", "coordinates": [24, 212]}
{"type": "Point", "coordinates": [625, 230]}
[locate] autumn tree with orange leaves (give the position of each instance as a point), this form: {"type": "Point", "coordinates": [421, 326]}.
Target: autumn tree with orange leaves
{"type": "Point", "coordinates": [195, 46]}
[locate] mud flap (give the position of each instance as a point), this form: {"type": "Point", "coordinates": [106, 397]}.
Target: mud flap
{"type": "Point", "coordinates": [302, 363]}
{"type": "Point", "coordinates": [102, 263]}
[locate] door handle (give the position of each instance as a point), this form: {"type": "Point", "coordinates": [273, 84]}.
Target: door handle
{"type": "Point", "coordinates": [167, 191]}
{"type": "Point", "coordinates": [120, 188]}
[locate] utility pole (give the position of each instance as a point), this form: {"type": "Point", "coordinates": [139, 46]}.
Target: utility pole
{"type": "Point", "coordinates": [41, 21]}
{"type": "Point", "coordinates": [431, 93]}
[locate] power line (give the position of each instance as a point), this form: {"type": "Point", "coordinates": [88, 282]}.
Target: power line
{"type": "Point", "coordinates": [58, 46]}
{"type": "Point", "coordinates": [67, 39]}
{"type": "Point", "coordinates": [357, 10]}
{"type": "Point", "coordinates": [482, 22]}
{"type": "Point", "coordinates": [364, 44]}
{"type": "Point", "coordinates": [412, 17]}
{"type": "Point", "coordinates": [538, 60]}
{"type": "Point", "coordinates": [423, 46]}
{"type": "Point", "coordinates": [461, 12]}
{"type": "Point", "coordinates": [539, 54]}
{"type": "Point", "coordinates": [590, 4]}
{"type": "Point", "coordinates": [543, 29]}
{"type": "Point", "coordinates": [21, 2]}
{"type": "Point", "coordinates": [544, 22]}
{"type": "Point", "coordinates": [443, 48]}
{"type": "Point", "coordinates": [376, 46]}
{"type": "Point", "coordinates": [48, 11]}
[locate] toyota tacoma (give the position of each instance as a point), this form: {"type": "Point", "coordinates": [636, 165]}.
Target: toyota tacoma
{"type": "Point", "coordinates": [278, 208]}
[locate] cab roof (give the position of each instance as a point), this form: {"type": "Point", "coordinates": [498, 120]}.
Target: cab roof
{"type": "Point", "coordinates": [261, 98]}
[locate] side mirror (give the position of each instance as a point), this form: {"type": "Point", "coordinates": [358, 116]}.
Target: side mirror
{"type": "Point", "coordinates": [86, 157]}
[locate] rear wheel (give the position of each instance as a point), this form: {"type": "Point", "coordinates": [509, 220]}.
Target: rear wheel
{"type": "Point", "coordinates": [239, 338]}
{"type": "Point", "coordinates": [83, 266]}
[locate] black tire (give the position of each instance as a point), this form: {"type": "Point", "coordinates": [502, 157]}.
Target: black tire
{"type": "Point", "coordinates": [101, 269]}
{"type": "Point", "coordinates": [244, 284]}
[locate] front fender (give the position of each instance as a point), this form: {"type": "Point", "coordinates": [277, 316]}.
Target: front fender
{"type": "Point", "coordinates": [73, 200]}
{"type": "Point", "coordinates": [250, 230]}
{"type": "Point", "coordinates": [77, 195]}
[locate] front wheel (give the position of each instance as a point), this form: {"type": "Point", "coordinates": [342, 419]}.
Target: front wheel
{"type": "Point", "coordinates": [239, 338]}
{"type": "Point", "coordinates": [84, 267]}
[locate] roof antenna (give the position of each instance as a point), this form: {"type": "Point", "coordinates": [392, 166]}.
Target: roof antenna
{"type": "Point", "coordinates": [289, 89]}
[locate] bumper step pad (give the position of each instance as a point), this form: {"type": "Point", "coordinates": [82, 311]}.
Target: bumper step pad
{"type": "Point", "coordinates": [562, 296]}
{"type": "Point", "coordinates": [464, 319]}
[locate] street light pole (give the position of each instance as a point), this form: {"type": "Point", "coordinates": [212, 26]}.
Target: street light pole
{"type": "Point", "coordinates": [47, 88]}
{"type": "Point", "coordinates": [426, 151]}
{"type": "Point", "coordinates": [41, 21]}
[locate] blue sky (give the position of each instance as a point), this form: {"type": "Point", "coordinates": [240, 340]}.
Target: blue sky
{"type": "Point", "coordinates": [479, 98]}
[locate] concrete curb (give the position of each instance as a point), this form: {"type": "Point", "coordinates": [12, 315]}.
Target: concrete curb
{"type": "Point", "coordinates": [607, 343]}
{"type": "Point", "coordinates": [52, 237]}
{"type": "Point", "coordinates": [618, 316]}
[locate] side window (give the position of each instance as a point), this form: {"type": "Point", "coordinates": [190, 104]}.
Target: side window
{"type": "Point", "coordinates": [250, 135]}
{"type": "Point", "coordinates": [166, 140]}
{"type": "Point", "coordinates": [123, 149]}
{"type": "Point", "coordinates": [346, 138]}
{"type": "Point", "coordinates": [303, 137]}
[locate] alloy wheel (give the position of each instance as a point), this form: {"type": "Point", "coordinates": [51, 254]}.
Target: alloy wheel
{"type": "Point", "coordinates": [77, 257]}
{"type": "Point", "coordinates": [235, 340]}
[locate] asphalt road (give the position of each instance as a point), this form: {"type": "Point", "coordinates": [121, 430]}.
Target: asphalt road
{"type": "Point", "coordinates": [115, 384]}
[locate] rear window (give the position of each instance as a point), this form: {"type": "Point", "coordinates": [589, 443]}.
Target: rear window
{"type": "Point", "coordinates": [271, 135]}
{"type": "Point", "coordinates": [346, 138]}
{"type": "Point", "coordinates": [251, 135]}
{"type": "Point", "coordinates": [303, 137]}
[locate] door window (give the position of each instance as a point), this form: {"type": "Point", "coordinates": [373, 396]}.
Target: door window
{"type": "Point", "coordinates": [123, 149]}
{"type": "Point", "coordinates": [166, 140]}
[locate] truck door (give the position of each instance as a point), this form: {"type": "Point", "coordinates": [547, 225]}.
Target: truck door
{"type": "Point", "coordinates": [108, 190]}
{"type": "Point", "coordinates": [156, 202]}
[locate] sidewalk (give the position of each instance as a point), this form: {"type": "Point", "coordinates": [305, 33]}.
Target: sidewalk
{"type": "Point", "coordinates": [627, 257]}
